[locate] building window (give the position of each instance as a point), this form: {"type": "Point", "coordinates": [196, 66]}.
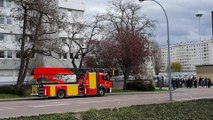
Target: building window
{"type": "Point", "coordinates": [18, 54]}
{"type": "Point", "coordinates": [69, 13]}
{"type": "Point", "coordinates": [1, 3]}
{"type": "Point", "coordinates": [18, 38]}
{"type": "Point", "coordinates": [71, 55]}
{"type": "Point", "coordinates": [1, 20]}
{"type": "Point", "coordinates": [9, 21]}
{"type": "Point", "coordinates": [65, 55]}
{"type": "Point", "coordinates": [8, 3]}
{"type": "Point", "coordinates": [1, 37]}
{"type": "Point", "coordinates": [76, 57]}
{"type": "Point", "coordinates": [9, 54]}
{"type": "Point", "coordinates": [64, 40]}
{"type": "Point", "coordinates": [1, 54]}
{"type": "Point", "coordinates": [60, 56]}
{"type": "Point", "coordinates": [77, 14]}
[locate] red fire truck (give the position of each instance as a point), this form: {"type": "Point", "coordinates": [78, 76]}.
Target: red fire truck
{"type": "Point", "coordinates": [64, 82]}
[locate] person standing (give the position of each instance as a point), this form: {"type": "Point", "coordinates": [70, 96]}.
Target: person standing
{"type": "Point", "coordinates": [205, 82]}
{"type": "Point", "coordinates": [200, 81]}
{"type": "Point", "coordinates": [195, 83]}
{"type": "Point", "coordinates": [209, 83]}
{"type": "Point", "coordinates": [173, 83]}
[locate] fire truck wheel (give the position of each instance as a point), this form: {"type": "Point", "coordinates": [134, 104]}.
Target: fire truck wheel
{"type": "Point", "coordinates": [61, 94]}
{"type": "Point", "coordinates": [101, 92]}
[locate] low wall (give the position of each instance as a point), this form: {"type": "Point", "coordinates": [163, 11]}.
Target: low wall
{"type": "Point", "coordinates": [204, 71]}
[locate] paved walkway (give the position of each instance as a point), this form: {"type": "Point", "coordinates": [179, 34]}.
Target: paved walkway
{"type": "Point", "coordinates": [179, 90]}
{"type": "Point", "coordinates": [78, 104]}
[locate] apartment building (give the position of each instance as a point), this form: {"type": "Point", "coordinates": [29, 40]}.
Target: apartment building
{"type": "Point", "coordinates": [10, 33]}
{"type": "Point", "coordinates": [74, 9]}
{"type": "Point", "coordinates": [188, 54]}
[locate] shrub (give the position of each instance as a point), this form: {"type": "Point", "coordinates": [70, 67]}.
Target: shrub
{"type": "Point", "coordinates": [24, 91]}
{"type": "Point", "coordinates": [140, 86]}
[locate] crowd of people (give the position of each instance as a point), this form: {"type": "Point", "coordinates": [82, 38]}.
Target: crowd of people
{"type": "Point", "coordinates": [186, 81]}
{"type": "Point", "coordinates": [191, 82]}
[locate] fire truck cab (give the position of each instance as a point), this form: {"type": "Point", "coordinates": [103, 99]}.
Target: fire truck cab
{"type": "Point", "coordinates": [65, 82]}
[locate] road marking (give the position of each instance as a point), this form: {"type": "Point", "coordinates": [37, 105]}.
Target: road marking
{"type": "Point", "coordinates": [114, 100]}
{"type": "Point", "coordinates": [7, 108]}
{"type": "Point", "coordinates": [95, 101]}
{"type": "Point", "coordinates": [50, 105]}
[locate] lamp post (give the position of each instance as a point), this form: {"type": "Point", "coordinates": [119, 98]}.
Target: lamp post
{"type": "Point", "coordinates": [168, 41]}
{"type": "Point", "coordinates": [199, 15]}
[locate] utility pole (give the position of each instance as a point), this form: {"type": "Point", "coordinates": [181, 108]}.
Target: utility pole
{"type": "Point", "coordinates": [199, 15]}
{"type": "Point", "coordinates": [168, 41]}
{"type": "Point", "coordinates": [212, 25]}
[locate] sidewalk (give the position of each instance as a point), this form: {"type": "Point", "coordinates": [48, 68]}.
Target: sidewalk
{"type": "Point", "coordinates": [116, 93]}
{"type": "Point", "coordinates": [19, 99]}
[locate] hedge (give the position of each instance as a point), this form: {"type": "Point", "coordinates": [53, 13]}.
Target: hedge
{"type": "Point", "coordinates": [140, 86]}
{"type": "Point", "coordinates": [24, 91]}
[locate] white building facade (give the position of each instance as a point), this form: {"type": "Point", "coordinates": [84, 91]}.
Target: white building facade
{"type": "Point", "coordinates": [74, 10]}
{"type": "Point", "coordinates": [188, 54]}
{"type": "Point", "coordinates": [10, 33]}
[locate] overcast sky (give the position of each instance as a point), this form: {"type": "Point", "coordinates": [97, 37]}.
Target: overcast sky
{"type": "Point", "coordinates": [184, 25]}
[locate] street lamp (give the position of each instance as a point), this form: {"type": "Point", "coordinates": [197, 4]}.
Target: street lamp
{"type": "Point", "coordinates": [168, 41]}
{"type": "Point", "coordinates": [199, 15]}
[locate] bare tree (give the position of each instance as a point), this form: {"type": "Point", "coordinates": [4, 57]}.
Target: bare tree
{"type": "Point", "coordinates": [126, 34]}
{"type": "Point", "coordinates": [84, 32]}
{"type": "Point", "coordinates": [73, 30]}
{"type": "Point", "coordinates": [128, 52]}
{"type": "Point", "coordinates": [156, 57]}
{"type": "Point", "coordinates": [100, 55]}
{"type": "Point", "coordinates": [39, 23]}
{"type": "Point", "coordinates": [126, 16]}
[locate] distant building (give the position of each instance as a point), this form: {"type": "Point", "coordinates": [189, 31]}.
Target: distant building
{"type": "Point", "coordinates": [10, 34]}
{"type": "Point", "coordinates": [189, 55]}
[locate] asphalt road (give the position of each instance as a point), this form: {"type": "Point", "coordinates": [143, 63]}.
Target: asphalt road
{"type": "Point", "coordinates": [77, 104]}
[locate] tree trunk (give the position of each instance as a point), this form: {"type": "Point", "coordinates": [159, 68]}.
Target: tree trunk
{"type": "Point", "coordinates": [22, 56]}
{"type": "Point", "coordinates": [81, 61]}
{"type": "Point", "coordinates": [73, 63]}
{"type": "Point", "coordinates": [125, 79]}
{"type": "Point", "coordinates": [23, 72]}
{"type": "Point", "coordinates": [20, 75]}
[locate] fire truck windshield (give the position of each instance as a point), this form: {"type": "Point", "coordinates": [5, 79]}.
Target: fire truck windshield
{"type": "Point", "coordinates": [106, 77]}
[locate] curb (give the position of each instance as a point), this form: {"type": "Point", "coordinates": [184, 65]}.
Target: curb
{"type": "Point", "coordinates": [20, 99]}
{"type": "Point", "coordinates": [40, 98]}
{"type": "Point", "coordinates": [132, 93]}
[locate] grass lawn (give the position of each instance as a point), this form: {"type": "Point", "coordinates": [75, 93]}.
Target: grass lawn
{"type": "Point", "coordinates": [8, 96]}
{"type": "Point", "coordinates": [116, 90]}
{"type": "Point", "coordinates": [163, 89]}
{"type": "Point", "coordinates": [191, 110]}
